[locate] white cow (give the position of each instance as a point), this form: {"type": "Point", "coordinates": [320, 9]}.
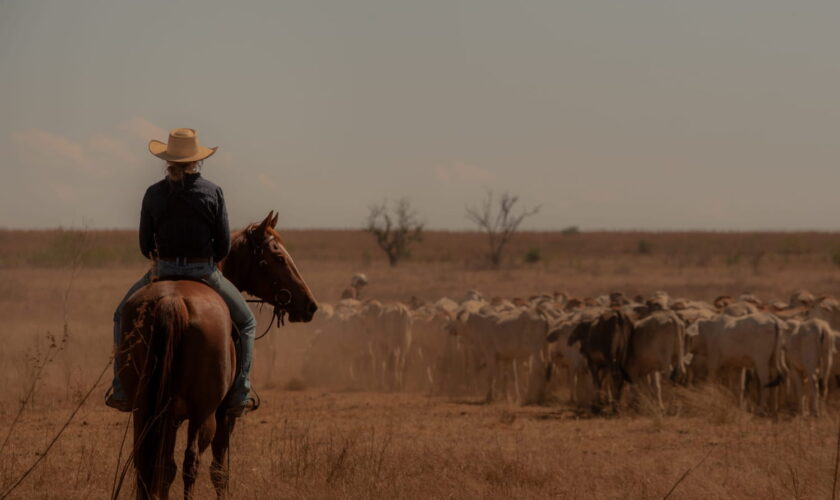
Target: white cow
{"type": "Point", "coordinates": [752, 342]}
{"type": "Point", "coordinates": [827, 309]}
{"type": "Point", "coordinates": [656, 347]}
{"type": "Point", "coordinates": [514, 337]}
{"type": "Point", "coordinates": [432, 346]}
{"type": "Point", "coordinates": [447, 304]}
{"type": "Point", "coordinates": [802, 298]}
{"type": "Point", "coordinates": [339, 351]}
{"type": "Point", "coordinates": [809, 353]}
{"type": "Point", "coordinates": [741, 308]}
{"type": "Point", "coordinates": [388, 328]}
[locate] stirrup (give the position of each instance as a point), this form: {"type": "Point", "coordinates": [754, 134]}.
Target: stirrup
{"type": "Point", "coordinates": [112, 402]}
{"type": "Point", "coordinates": [247, 406]}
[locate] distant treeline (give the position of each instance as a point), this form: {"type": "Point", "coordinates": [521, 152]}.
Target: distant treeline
{"type": "Point", "coordinates": [58, 248]}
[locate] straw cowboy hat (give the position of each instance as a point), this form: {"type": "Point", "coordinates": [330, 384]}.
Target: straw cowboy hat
{"type": "Point", "coordinates": [183, 146]}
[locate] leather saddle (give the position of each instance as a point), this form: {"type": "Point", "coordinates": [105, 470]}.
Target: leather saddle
{"type": "Point", "coordinates": [176, 277]}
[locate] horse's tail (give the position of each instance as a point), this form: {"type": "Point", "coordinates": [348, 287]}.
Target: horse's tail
{"type": "Point", "coordinates": [170, 319]}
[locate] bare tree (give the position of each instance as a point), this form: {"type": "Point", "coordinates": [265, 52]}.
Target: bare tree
{"type": "Point", "coordinates": [496, 217]}
{"type": "Point", "coordinates": [395, 229]}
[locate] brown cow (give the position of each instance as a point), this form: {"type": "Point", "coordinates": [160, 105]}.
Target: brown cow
{"type": "Point", "coordinates": [604, 343]}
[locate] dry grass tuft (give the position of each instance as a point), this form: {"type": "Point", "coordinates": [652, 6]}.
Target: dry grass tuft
{"type": "Point", "coordinates": [507, 417]}
{"type": "Point", "coordinates": [712, 402]}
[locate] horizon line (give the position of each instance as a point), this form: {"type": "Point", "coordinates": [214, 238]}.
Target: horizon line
{"type": "Point", "coordinates": [576, 230]}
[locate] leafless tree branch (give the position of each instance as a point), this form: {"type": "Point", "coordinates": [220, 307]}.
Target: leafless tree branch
{"type": "Point", "coordinates": [395, 228]}
{"type": "Point", "coordinates": [499, 220]}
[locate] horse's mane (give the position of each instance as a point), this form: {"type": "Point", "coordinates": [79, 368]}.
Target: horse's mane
{"type": "Point", "coordinates": [276, 234]}
{"type": "Point", "coordinates": [239, 237]}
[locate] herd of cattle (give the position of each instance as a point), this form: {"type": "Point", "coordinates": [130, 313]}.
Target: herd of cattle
{"type": "Point", "coordinates": [768, 353]}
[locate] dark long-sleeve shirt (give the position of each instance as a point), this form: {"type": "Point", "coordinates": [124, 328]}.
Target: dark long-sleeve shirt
{"type": "Point", "coordinates": [186, 219]}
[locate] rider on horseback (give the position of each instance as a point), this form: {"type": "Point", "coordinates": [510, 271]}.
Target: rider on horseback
{"type": "Point", "coordinates": [184, 229]}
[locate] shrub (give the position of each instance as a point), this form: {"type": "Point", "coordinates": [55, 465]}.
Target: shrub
{"type": "Point", "coordinates": [791, 245]}
{"type": "Point", "coordinates": [835, 257]}
{"type": "Point", "coordinates": [644, 247]}
{"type": "Point", "coordinates": [571, 230]}
{"type": "Point", "coordinates": [532, 256]}
{"type": "Point", "coordinates": [733, 260]}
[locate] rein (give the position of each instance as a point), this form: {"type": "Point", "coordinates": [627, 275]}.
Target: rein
{"type": "Point", "coordinates": [277, 313]}
{"type": "Point", "coordinates": [279, 305]}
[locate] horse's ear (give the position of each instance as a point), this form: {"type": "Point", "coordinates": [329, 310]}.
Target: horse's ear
{"type": "Point", "coordinates": [266, 223]}
{"type": "Point", "coordinates": [273, 222]}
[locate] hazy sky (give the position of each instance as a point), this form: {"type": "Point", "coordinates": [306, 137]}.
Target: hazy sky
{"type": "Point", "coordinates": [617, 115]}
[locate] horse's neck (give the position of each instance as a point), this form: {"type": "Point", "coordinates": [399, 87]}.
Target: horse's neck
{"type": "Point", "coordinates": [234, 270]}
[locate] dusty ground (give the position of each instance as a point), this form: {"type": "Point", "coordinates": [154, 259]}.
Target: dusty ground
{"type": "Point", "coordinates": [319, 443]}
{"type": "Point", "coordinates": [315, 444]}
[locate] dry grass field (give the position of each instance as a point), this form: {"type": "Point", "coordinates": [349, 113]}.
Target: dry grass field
{"type": "Point", "coordinates": [313, 442]}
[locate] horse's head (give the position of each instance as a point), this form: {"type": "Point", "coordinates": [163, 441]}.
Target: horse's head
{"type": "Point", "coordinates": [259, 264]}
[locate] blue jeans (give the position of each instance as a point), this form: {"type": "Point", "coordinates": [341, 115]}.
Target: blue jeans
{"type": "Point", "coordinates": [240, 313]}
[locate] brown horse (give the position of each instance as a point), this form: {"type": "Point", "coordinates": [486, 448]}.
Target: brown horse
{"type": "Point", "coordinates": [178, 358]}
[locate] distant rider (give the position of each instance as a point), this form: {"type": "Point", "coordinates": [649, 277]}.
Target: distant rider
{"type": "Point", "coordinates": [354, 291]}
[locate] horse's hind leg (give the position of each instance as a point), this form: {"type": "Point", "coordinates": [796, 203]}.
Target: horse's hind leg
{"type": "Point", "coordinates": [199, 435]}
{"type": "Point", "coordinates": [170, 469]}
{"type": "Point", "coordinates": [219, 472]}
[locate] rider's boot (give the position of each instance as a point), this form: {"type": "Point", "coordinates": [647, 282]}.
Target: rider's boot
{"type": "Point", "coordinates": [240, 400]}
{"type": "Point", "coordinates": [115, 396]}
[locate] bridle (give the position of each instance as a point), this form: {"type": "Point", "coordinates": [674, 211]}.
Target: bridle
{"type": "Point", "coordinates": [282, 297]}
